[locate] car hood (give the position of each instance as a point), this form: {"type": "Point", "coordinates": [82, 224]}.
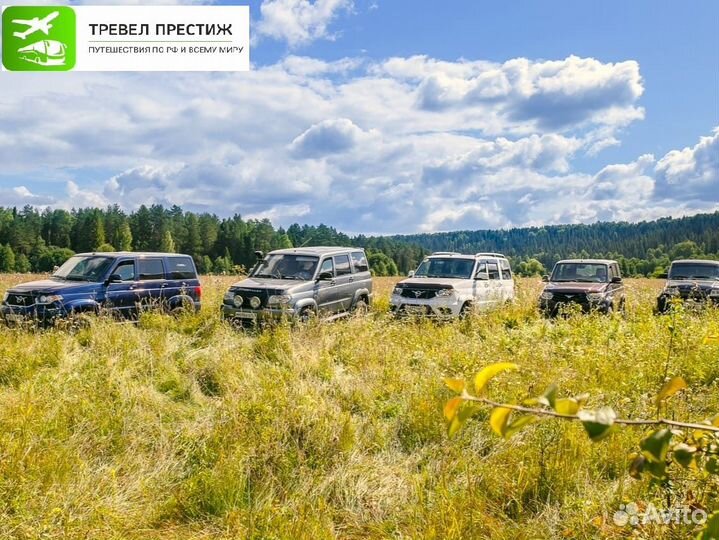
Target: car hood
{"type": "Point", "coordinates": [575, 287]}
{"type": "Point", "coordinates": [273, 285]}
{"type": "Point", "coordinates": [49, 286]}
{"type": "Point", "coordinates": [691, 283]}
{"type": "Point", "coordinates": [431, 283]}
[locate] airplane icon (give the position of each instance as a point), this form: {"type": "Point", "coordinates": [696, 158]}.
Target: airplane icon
{"type": "Point", "coordinates": [35, 25]}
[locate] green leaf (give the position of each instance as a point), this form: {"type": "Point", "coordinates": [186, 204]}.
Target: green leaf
{"type": "Point", "coordinates": [451, 407]}
{"type": "Point", "coordinates": [598, 424]}
{"type": "Point", "coordinates": [671, 387]}
{"type": "Point", "coordinates": [454, 426]}
{"type": "Point", "coordinates": [549, 396]}
{"type": "Point", "coordinates": [457, 385]}
{"type": "Point", "coordinates": [711, 528]}
{"type": "Point", "coordinates": [637, 466]}
{"type": "Point", "coordinates": [715, 421]}
{"type": "Point", "coordinates": [486, 374]}
{"type": "Point", "coordinates": [712, 465]}
{"type": "Point", "coordinates": [498, 419]}
{"type": "Point", "coordinates": [655, 446]}
{"type": "Point", "coordinates": [657, 469]}
{"type": "Point", "coordinates": [566, 406]}
{"type": "Point", "coordinates": [683, 454]}
{"type": "Point", "coordinates": [518, 424]}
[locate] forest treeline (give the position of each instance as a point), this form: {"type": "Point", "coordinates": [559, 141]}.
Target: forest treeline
{"type": "Point", "coordinates": [642, 249]}
{"type": "Point", "coordinates": [37, 240]}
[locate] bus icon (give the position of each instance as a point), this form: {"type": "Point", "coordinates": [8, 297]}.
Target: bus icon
{"type": "Point", "coordinates": [44, 53]}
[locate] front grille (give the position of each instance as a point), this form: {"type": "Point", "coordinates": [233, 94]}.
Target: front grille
{"type": "Point", "coordinates": [570, 298]}
{"type": "Point", "coordinates": [246, 294]}
{"type": "Point", "coordinates": [20, 300]}
{"type": "Point", "coordinates": [417, 293]}
{"type": "Point", "coordinates": [693, 293]}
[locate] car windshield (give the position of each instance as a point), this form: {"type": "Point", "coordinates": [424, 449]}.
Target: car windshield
{"type": "Point", "coordinates": [445, 268]}
{"type": "Point", "coordinates": [287, 266]}
{"type": "Point", "coordinates": [78, 268]}
{"type": "Point", "coordinates": [694, 271]}
{"type": "Point", "coordinates": [582, 272]}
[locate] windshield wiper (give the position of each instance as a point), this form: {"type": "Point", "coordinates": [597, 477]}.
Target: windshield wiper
{"type": "Point", "coordinates": [264, 275]}
{"type": "Point", "coordinates": [76, 278]}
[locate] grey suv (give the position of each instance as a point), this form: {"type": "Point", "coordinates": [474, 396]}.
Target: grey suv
{"type": "Point", "coordinates": [300, 283]}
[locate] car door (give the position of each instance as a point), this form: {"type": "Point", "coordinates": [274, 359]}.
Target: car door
{"type": "Point", "coordinates": [481, 285]}
{"type": "Point", "coordinates": [496, 290]}
{"type": "Point", "coordinates": [325, 291]}
{"type": "Point", "coordinates": [507, 280]}
{"type": "Point", "coordinates": [122, 296]}
{"type": "Point", "coordinates": [181, 278]}
{"type": "Point", "coordinates": [343, 282]}
{"type": "Point", "coordinates": [150, 281]}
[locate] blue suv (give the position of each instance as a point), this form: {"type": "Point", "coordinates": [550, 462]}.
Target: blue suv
{"type": "Point", "coordinates": [121, 283]}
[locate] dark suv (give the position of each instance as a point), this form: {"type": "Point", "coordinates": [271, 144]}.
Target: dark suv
{"type": "Point", "coordinates": [120, 282]}
{"type": "Point", "coordinates": [592, 284]}
{"type": "Point", "coordinates": [300, 283]}
{"type": "Point", "coordinates": [690, 280]}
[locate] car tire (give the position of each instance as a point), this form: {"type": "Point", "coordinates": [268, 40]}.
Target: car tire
{"type": "Point", "coordinates": [307, 315]}
{"type": "Point", "coordinates": [465, 311]}
{"type": "Point", "coordinates": [361, 307]}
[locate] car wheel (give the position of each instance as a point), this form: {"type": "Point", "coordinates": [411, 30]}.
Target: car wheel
{"type": "Point", "coordinates": [306, 315]}
{"type": "Point", "coordinates": [361, 307]}
{"type": "Point", "coordinates": [465, 311]}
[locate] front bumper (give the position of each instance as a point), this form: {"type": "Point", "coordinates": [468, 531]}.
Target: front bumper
{"type": "Point", "coordinates": [447, 307]}
{"type": "Point", "coordinates": [44, 314]}
{"type": "Point", "coordinates": [252, 317]}
{"type": "Point", "coordinates": [553, 307]}
{"type": "Point", "coordinates": [664, 301]}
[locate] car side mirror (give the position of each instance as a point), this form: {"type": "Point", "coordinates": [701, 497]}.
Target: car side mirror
{"type": "Point", "coordinates": [410, 273]}
{"type": "Point", "coordinates": [616, 279]}
{"type": "Point", "coordinates": [325, 276]}
{"type": "Point", "coordinates": [481, 276]}
{"type": "Point", "coordinates": [114, 278]}
{"type": "Point", "coordinates": [545, 278]}
{"type": "Point", "coordinates": [663, 275]}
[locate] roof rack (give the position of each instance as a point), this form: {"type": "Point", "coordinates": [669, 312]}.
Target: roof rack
{"type": "Point", "coordinates": [489, 254]}
{"type": "Point", "coordinates": [445, 253]}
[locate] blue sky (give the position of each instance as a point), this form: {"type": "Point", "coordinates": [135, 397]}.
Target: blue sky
{"type": "Point", "coordinates": [396, 116]}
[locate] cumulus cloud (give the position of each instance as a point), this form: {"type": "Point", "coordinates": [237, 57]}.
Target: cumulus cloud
{"type": "Point", "coordinates": [691, 173]}
{"type": "Point", "coordinates": [351, 142]}
{"type": "Point", "coordinates": [299, 22]}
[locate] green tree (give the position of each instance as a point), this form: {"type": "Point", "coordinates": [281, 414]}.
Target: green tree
{"type": "Point", "coordinates": [22, 264]}
{"type": "Point", "coordinates": [123, 237]}
{"type": "Point", "coordinates": [7, 258]}
{"type": "Point", "coordinates": [168, 244]}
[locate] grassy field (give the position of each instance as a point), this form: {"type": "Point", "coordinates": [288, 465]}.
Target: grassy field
{"type": "Point", "coordinates": [185, 428]}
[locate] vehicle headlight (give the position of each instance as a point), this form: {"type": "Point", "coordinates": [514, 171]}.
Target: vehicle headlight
{"type": "Point", "coordinates": [279, 299]}
{"type": "Point", "coordinates": [237, 300]}
{"type": "Point", "coordinates": [671, 291]}
{"type": "Point", "coordinates": [255, 302]}
{"type": "Point", "coordinates": [444, 293]}
{"type": "Point", "coordinates": [397, 291]}
{"type": "Point", "coordinates": [5, 297]}
{"type": "Point", "coordinates": [714, 290]}
{"type": "Point", "coordinates": [49, 299]}
{"type": "Point", "coordinates": [595, 296]}
{"type": "Point", "coordinates": [546, 295]}
{"type": "Point", "coordinates": [229, 297]}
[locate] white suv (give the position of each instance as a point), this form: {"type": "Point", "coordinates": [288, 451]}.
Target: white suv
{"type": "Point", "coordinates": [451, 284]}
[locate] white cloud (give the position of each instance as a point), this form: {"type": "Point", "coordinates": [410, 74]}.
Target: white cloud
{"type": "Point", "coordinates": [299, 22]}
{"type": "Point", "coordinates": [350, 143]}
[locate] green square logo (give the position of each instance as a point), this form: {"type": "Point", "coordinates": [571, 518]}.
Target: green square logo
{"type": "Point", "coordinates": [38, 38]}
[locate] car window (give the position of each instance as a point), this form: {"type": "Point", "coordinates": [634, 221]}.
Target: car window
{"type": "Point", "coordinates": [150, 269]}
{"type": "Point", "coordinates": [126, 270]}
{"type": "Point", "coordinates": [327, 266]}
{"type": "Point", "coordinates": [342, 265]}
{"type": "Point", "coordinates": [360, 261]}
{"type": "Point", "coordinates": [506, 271]}
{"type": "Point", "coordinates": [493, 270]}
{"type": "Point", "coordinates": [180, 268]}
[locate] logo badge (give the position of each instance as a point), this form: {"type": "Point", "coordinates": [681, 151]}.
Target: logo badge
{"type": "Point", "coordinates": [38, 38]}
{"type": "Point", "coordinates": [417, 294]}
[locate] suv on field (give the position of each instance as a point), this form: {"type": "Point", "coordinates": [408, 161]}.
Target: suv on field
{"type": "Point", "coordinates": [300, 283]}
{"type": "Point", "coordinates": [591, 284]}
{"type": "Point", "coordinates": [120, 282]}
{"type": "Point", "coordinates": [448, 284]}
{"type": "Point", "coordinates": [695, 281]}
